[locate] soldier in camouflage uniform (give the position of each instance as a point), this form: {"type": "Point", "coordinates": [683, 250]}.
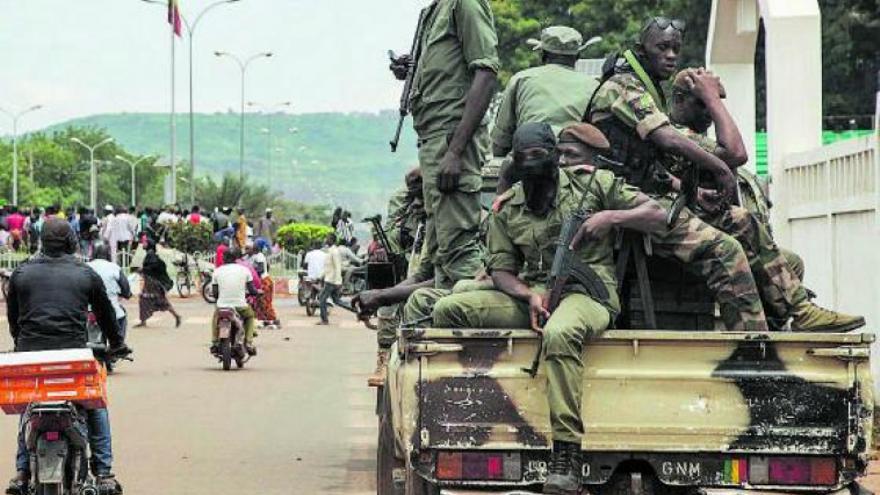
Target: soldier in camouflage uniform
{"type": "Point", "coordinates": [456, 77]}
{"type": "Point", "coordinates": [632, 112]}
{"type": "Point", "coordinates": [521, 242]}
{"type": "Point", "coordinates": [696, 104]}
{"type": "Point", "coordinates": [404, 225]}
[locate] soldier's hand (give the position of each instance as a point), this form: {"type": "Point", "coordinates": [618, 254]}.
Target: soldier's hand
{"type": "Point", "coordinates": [537, 312]}
{"type": "Point", "coordinates": [596, 227]}
{"type": "Point", "coordinates": [708, 200]}
{"type": "Point", "coordinates": [400, 66]}
{"type": "Point", "coordinates": [367, 301]}
{"type": "Point", "coordinates": [705, 85]}
{"type": "Point", "coordinates": [450, 173]}
{"type": "Point", "coordinates": [727, 189]}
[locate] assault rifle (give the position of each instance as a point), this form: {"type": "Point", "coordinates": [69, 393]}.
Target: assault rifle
{"type": "Point", "coordinates": [412, 67]}
{"type": "Point", "coordinates": [567, 268]}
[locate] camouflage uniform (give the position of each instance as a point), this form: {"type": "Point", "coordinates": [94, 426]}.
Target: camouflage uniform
{"type": "Point", "coordinates": [715, 256]}
{"type": "Point", "coordinates": [523, 243]}
{"type": "Point", "coordinates": [778, 283]}
{"type": "Point", "coordinates": [459, 38]}
{"type": "Point", "coordinates": [551, 93]}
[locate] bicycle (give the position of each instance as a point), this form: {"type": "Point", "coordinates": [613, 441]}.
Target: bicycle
{"type": "Point", "coordinates": [183, 280]}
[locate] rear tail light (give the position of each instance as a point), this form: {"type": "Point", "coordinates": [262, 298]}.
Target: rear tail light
{"type": "Point", "coordinates": [52, 436]}
{"type": "Point", "coordinates": [478, 466]}
{"type": "Point", "coordinates": [792, 471]}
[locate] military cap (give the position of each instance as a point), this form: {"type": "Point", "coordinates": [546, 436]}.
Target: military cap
{"type": "Point", "coordinates": [559, 39]}
{"type": "Point", "coordinates": [585, 133]}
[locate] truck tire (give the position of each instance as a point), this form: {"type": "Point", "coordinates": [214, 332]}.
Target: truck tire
{"type": "Point", "coordinates": [386, 455]}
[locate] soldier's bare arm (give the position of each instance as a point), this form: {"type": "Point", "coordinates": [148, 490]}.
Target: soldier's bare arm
{"type": "Point", "coordinates": [731, 148]}
{"type": "Point", "coordinates": [672, 141]}
{"type": "Point", "coordinates": [478, 98]}
{"type": "Point", "coordinates": [647, 217]}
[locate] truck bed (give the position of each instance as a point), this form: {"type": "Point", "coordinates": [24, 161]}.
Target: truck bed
{"type": "Point", "coordinates": [646, 392]}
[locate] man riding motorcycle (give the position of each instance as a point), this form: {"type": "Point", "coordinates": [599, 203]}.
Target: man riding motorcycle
{"type": "Point", "coordinates": [232, 284]}
{"type": "Point", "coordinates": [47, 308]}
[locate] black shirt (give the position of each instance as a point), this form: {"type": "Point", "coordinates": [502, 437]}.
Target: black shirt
{"type": "Point", "coordinates": [48, 304]}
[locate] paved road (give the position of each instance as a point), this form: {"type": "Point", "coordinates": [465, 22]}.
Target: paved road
{"type": "Point", "coordinates": [297, 419]}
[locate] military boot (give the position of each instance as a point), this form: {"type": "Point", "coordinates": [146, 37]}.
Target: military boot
{"type": "Point", "coordinates": [564, 470]}
{"type": "Point", "coordinates": [377, 379]}
{"type": "Point", "coordinates": [809, 317]}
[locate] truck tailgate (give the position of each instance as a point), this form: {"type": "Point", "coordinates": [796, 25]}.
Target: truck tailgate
{"type": "Point", "coordinates": [651, 391]}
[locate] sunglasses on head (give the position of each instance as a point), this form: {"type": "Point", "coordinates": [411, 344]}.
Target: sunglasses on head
{"type": "Point", "coordinates": [664, 23]}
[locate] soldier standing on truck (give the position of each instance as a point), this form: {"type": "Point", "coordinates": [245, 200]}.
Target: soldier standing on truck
{"type": "Point", "coordinates": [456, 60]}
{"type": "Point", "coordinates": [553, 92]}
{"type": "Point", "coordinates": [521, 242]}
{"type": "Point", "coordinates": [631, 111]}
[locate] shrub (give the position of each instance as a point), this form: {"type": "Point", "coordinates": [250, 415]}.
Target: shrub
{"type": "Point", "coordinates": [191, 238]}
{"type": "Point", "coordinates": [297, 237]}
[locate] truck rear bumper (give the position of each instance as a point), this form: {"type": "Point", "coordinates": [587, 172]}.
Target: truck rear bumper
{"type": "Point", "coordinates": [854, 489]}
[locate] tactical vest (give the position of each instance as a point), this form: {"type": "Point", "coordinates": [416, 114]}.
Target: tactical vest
{"type": "Point", "coordinates": [643, 162]}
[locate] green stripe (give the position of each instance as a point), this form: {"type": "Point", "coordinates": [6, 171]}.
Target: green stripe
{"type": "Point", "coordinates": [645, 78]}
{"type": "Point", "coordinates": [728, 468]}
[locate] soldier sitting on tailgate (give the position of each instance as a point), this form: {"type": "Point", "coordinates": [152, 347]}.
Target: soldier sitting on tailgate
{"type": "Point", "coordinates": [696, 104]}
{"type": "Point", "coordinates": [630, 109]}
{"type": "Point", "coordinates": [521, 243]}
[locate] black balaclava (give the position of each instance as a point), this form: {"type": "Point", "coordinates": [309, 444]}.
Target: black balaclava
{"type": "Point", "coordinates": [57, 237]}
{"type": "Point", "coordinates": [539, 175]}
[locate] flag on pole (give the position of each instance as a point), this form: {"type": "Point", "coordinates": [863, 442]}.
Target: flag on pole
{"type": "Point", "coordinates": [174, 16]}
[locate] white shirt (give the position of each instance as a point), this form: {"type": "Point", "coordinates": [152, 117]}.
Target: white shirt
{"type": "Point", "coordinates": [119, 229]}
{"type": "Point", "coordinates": [231, 280]}
{"type": "Point", "coordinates": [166, 217]}
{"type": "Point", "coordinates": [260, 263]}
{"type": "Point", "coordinates": [333, 266]}
{"type": "Point", "coordinates": [110, 273]}
{"type": "Point", "coordinates": [315, 262]}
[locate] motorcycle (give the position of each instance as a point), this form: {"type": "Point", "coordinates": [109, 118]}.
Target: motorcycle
{"type": "Point", "coordinates": [99, 345]}
{"type": "Point", "coordinates": [56, 436]}
{"type": "Point", "coordinates": [207, 275]}
{"type": "Point", "coordinates": [231, 345]}
{"type": "Point", "coordinates": [357, 281]}
{"type": "Point", "coordinates": [307, 293]}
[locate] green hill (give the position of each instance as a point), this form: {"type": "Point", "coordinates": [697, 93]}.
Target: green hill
{"type": "Point", "coordinates": [329, 158]}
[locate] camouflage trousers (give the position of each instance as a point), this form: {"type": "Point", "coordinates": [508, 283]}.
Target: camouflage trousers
{"type": "Point", "coordinates": [795, 262]}
{"type": "Point", "coordinates": [720, 260]}
{"type": "Point", "coordinates": [575, 321]}
{"type": "Point", "coordinates": [779, 284]}
{"type": "Point", "coordinates": [453, 219]}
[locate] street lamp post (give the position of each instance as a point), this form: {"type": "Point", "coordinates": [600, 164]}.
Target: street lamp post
{"type": "Point", "coordinates": [243, 65]}
{"type": "Point", "coordinates": [15, 117]}
{"type": "Point", "coordinates": [93, 177]}
{"type": "Point", "coordinates": [268, 131]}
{"type": "Point", "coordinates": [133, 165]}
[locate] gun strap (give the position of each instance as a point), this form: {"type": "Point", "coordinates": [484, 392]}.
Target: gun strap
{"type": "Point", "coordinates": [590, 281]}
{"type": "Point", "coordinates": [645, 78]}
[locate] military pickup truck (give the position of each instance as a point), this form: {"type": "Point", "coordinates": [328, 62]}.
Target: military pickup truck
{"type": "Point", "coordinates": [678, 408]}
{"type": "Point", "coordinates": [663, 411]}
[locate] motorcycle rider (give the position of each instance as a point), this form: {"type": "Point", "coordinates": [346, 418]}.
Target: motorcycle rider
{"type": "Point", "coordinates": [232, 283]}
{"type": "Point", "coordinates": [115, 283]}
{"type": "Point", "coordinates": [47, 307]}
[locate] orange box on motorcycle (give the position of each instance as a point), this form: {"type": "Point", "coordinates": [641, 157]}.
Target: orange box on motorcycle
{"type": "Point", "coordinates": [67, 375]}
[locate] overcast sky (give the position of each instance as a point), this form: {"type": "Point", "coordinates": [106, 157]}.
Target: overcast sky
{"type": "Point", "coordinates": [81, 57]}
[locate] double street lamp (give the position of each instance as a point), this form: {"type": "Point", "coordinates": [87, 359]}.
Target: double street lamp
{"type": "Point", "coordinates": [191, 31]}
{"type": "Point", "coordinates": [133, 165]}
{"type": "Point", "coordinates": [93, 177]}
{"type": "Point", "coordinates": [15, 117]}
{"type": "Point", "coordinates": [243, 65]}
